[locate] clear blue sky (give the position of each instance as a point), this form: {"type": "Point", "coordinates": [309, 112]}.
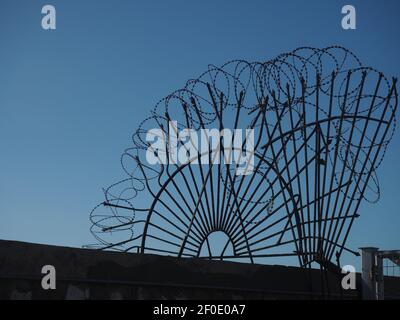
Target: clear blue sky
{"type": "Point", "coordinates": [70, 98]}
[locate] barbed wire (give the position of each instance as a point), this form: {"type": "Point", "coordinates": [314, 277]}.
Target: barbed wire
{"type": "Point", "coordinates": [323, 122]}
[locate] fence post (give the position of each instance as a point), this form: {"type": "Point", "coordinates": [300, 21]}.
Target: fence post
{"type": "Point", "coordinates": [372, 274]}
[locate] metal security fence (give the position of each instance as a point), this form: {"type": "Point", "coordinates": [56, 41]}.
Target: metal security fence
{"type": "Point", "coordinates": [377, 267]}
{"type": "Point", "coordinates": [391, 268]}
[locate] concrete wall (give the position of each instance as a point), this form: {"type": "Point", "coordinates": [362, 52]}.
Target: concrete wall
{"type": "Point", "coordinates": [91, 274]}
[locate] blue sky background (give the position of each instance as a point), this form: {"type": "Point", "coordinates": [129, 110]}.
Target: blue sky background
{"type": "Point", "coordinates": [71, 98]}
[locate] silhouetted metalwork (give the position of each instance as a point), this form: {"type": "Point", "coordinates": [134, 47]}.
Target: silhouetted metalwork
{"type": "Point", "coordinates": [322, 121]}
{"type": "Point", "coordinates": [391, 262]}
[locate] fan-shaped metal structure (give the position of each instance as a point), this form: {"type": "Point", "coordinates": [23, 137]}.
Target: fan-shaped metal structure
{"type": "Point", "coordinates": [321, 121]}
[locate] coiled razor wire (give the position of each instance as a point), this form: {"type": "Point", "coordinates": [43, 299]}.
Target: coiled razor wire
{"type": "Point", "coordinates": [322, 123]}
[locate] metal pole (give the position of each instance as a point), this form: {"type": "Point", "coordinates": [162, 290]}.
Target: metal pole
{"type": "Point", "coordinates": [372, 274]}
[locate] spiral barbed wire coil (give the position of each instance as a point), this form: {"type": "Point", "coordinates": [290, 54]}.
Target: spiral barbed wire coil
{"type": "Point", "coordinates": [322, 123]}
